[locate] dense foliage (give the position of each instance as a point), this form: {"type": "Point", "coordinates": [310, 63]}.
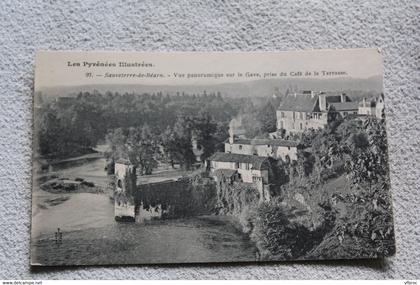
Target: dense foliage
{"type": "Point", "coordinates": [337, 198]}
{"type": "Point", "coordinates": [333, 202]}
{"type": "Point", "coordinates": [148, 128]}
{"type": "Point", "coordinates": [71, 127]}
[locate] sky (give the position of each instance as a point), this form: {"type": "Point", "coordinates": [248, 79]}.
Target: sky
{"type": "Point", "coordinates": [70, 68]}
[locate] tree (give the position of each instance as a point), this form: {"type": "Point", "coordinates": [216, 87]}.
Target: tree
{"type": "Point", "coordinates": [204, 130]}
{"type": "Point", "coordinates": [177, 142]}
{"type": "Point", "coordinates": [251, 124]}
{"type": "Point", "coordinates": [169, 145]}
{"type": "Point", "coordinates": [49, 132]}
{"type": "Point", "coordinates": [117, 139]}
{"type": "Point", "coordinates": [334, 118]}
{"type": "Point", "coordinates": [142, 149]}
{"type": "Point", "coordinates": [138, 145]}
{"type": "Point", "coordinates": [267, 118]}
{"type": "Point", "coordinates": [369, 159]}
{"type": "Point", "coordinates": [183, 141]}
{"type": "Point", "coordinates": [78, 125]}
{"type": "Point", "coordinates": [221, 135]}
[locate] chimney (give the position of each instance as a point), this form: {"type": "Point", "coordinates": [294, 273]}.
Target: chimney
{"type": "Point", "coordinates": [364, 102]}
{"type": "Point", "coordinates": [343, 98]}
{"type": "Point", "coordinates": [322, 99]}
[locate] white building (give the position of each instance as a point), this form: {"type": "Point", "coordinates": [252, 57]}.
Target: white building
{"type": "Point", "coordinates": [346, 108]}
{"type": "Point", "coordinates": [251, 168]}
{"type": "Point", "coordinates": [275, 148]}
{"type": "Point", "coordinates": [372, 107]}
{"type": "Point", "coordinates": [241, 167]}
{"type": "Point", "coordinates": [309, 110]}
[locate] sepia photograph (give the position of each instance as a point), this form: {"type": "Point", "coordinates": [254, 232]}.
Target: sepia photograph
{"type": "Point", "coordinates": [200, 157]}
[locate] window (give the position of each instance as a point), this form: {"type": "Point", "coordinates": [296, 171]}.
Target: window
{"type": "Point", "coordinates": [345, 113]}
{"type": "Point", "coordinates": [240, 147]}
{"type": "Point", "coordinates": [237, 165]}
{"type": "Point", "coordinates": [301, 126]}
{"type": "Point", "coordinates": [247, 166]}
{"type": "Point", "coordinates": [281, 114]}
{"type": "Point", "coordinates": [301, 115]}
{"type": "Point", "coordinates": [119, 183]}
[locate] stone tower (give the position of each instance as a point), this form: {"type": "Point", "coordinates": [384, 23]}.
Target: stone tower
{"type": "Point", "coordinates": [125, 186]}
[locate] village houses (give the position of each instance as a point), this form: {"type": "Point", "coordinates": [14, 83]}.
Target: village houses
{"type": "Point", "coordinates": [241, 167]}
{"type": "Point", "coordinates": [298, 112]}
{"type": "Point", "coordinates": [309, 110]}
{"type": "Point", "coordinates": [247, 160]}
{"type": "Point", "coordinates": [275, 148]}
{"type": "Point", "coordinates": [373, 107]}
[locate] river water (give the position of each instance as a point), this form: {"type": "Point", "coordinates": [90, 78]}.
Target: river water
{"type": "Point", "coordinates": [91, 236]}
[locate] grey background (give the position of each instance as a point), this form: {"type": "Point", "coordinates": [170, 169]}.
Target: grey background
{"type": "Point", "coordinates": [26, 26]}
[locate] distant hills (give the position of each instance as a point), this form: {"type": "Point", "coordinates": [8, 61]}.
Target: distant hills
{"type": "Point", "coordinates": [257, 88]}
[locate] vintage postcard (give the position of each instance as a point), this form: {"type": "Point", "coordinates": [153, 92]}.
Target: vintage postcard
{"type": "Point", "coordinates": [192, 157]}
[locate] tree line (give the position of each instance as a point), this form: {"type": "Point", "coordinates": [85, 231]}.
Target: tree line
{"type": "Point", "coordinates": [72, 127]}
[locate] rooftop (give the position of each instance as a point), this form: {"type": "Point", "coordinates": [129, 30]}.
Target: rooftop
{"type": "Point", "coordinates": [274, 142]}
{"type": "Point", "coordinates": [307, 101]}
{"type": "Point", "coordinates": [299, 102]}
{"type": "Point", "coordinates": [367, 103]}
{"type": "Point", "coordinates": [257, 162]}
{"type": "Point", "coordinates": [345, 106]}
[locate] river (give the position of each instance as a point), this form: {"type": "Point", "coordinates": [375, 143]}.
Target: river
{"type": "Point", "coordinates": [91, 236]}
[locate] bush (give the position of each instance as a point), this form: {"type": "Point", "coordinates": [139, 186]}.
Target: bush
{"type": "Point", "coordinates": [276, 235]}
{"type": "Point", "coordinates": [282, 233]}
{"type": "Point", "coordinates": [69, 187]}
{"type": "Point", "coordinates": [88, 184]}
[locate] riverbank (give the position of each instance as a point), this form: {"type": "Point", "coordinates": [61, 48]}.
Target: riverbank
{"type": "Point", "coordinates": [90, 234]}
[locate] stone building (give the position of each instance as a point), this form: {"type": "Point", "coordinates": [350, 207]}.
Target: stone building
{"type": "Point", "coordinates": [307, 110]}
{"type": "Point", "coordinates": [346, 108]}
{"type": "Point", "coordinates": [241, 167]}
{"type": "Point", "coordinates": [275, 148]}
{"type": "Point", "coordinates": [372, 107]}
